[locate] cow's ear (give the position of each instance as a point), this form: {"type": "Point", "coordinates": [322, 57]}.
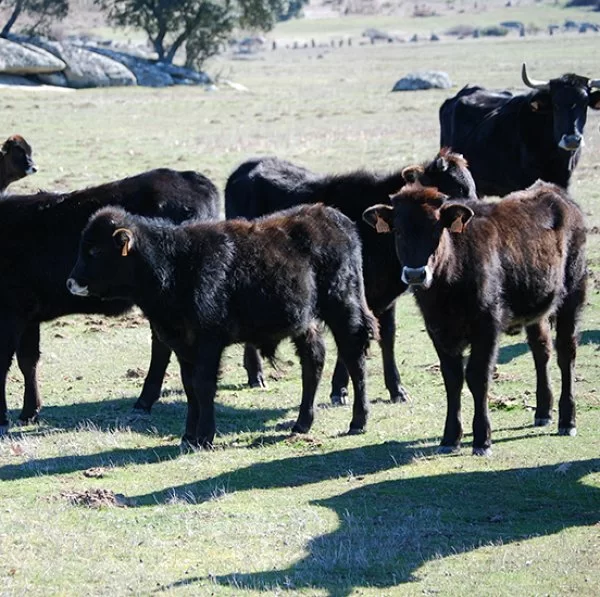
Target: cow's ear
{"type": "Point", "coordinates": [540, 102]}
{"type": "Point", "coordinates": [124, 240]}
{"type": "Point", "coordinates": [380, 217]}
{"type": "Point", "coordinates": [595, 100]}
{"type": "Point", "coordinates": [455, 217]}
{"type": "Point", "coordinates": [412, 173]}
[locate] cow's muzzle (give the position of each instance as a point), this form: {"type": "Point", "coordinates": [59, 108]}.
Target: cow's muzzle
{"type": "Point", "coordinates": [76, 289]}
{"type": "Point", "coordinates": [417, 276]}
{"type": "Point", "coordinates": [571, 142]}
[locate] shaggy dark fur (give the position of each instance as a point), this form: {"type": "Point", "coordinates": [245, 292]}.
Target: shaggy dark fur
{"type": "Point", "coordinates": [264, 185]}
{"type": "Point", "coordinates": [479, 269]}
{"type": "Point", "coordinates": [39, 235]}
{"type": "Point", "coordinates": [204, 286]}
{"type": "Point", "coordinates": [510, 141]}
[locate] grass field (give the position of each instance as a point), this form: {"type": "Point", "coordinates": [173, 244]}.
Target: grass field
{"type": "Point", "coordinates": [94, 503]}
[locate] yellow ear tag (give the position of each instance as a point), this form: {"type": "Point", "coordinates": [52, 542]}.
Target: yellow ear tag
{"type": "Point", "coordinates": [381, 225]}
{"type": "Point", "coordinates": [457, 225]}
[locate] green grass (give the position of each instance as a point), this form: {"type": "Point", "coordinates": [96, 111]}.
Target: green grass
{"type": "Point", "coordinates": [265, 513]}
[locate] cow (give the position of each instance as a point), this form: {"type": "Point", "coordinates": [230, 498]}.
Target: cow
{"type": "Point", "coordinates": [510, 141]}
{"type": "Point", "coordinates": [206, 285]}
{"type": "Point", "coordinates": [264, 185]}
{"type": "Point", "coordinates": [15, 161]}
{"type": "Point", "coordinates": [478, 269]}
{"type": "Point", "coordinates": [39, 236]}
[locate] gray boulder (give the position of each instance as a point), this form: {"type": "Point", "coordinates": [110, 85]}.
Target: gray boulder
{"type": "Point", "coordinates": [16, 80]}
{"type": "Point", "coordinates": [145, 72]}
{"type": "Point", "coordinates": [17, 59]}
{"type": "Point", "coordinates": [87, 69]}
{"type": "Point", "coordinates": [56, 79]}
{"type": "Point", "coordinates": [423, 80]}
{"type": "Point", "coordinates": [151, 73]}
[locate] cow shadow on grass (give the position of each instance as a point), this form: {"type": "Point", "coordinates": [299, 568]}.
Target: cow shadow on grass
{"type": "Point", "coordinates": [388, 530]}
{"type": "Point", "coordinates": [167, 417]}
{"type": "Point", "coordinates": [507, 353]}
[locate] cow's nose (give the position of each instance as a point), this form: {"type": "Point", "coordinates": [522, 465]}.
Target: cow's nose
{"type": "Point", "coordinates": [414, 275]}
{"type": "Point", "coordinates": [571, 142]}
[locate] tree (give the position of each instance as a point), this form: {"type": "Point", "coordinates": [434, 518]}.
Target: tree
{"type": "Point", "coordinates": [41, 13]}
{"type": "Point", "coordinates": [200, 26]}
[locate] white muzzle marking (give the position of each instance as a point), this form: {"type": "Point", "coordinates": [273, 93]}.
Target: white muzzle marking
{"type": "Point", "coordinates": [76, 289]}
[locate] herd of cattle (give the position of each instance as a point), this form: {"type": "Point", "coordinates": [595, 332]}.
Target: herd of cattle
{"type": "Point", "coordinates": [297, 249]}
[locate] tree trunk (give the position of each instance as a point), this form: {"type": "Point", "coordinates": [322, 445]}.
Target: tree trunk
{"type": "Point", "coordinates": [159, 42]}
{"type": "Point", "coordinates": [13, 17]}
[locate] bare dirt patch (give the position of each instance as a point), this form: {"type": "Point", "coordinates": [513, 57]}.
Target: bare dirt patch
{"type": "Point", "coordinates": [96, 498]}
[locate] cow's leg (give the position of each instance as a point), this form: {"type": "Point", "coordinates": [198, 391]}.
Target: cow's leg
{"type": "Point", "coordinates": [352, 347]}
{"type": "Point", "coordinates": [339, 383]}
{"type": "Point", "coordinates": [253, 366]}
{"type": "Point", "coordinates": [355, 362]}
{"type": "Point", "coordinates": [478, 374]}
{"type": "Point", "coordinates": [540, 343]}
{"type": "Point", "coordinates": [9, 332]}
{"type": "Point", "coordinates": [159, 361]}
{"type": "Point", "coordinates": [387, 337]}
{"type": "Point", "coordinates": [453, 373]}
{"type": "Point", "coordinates": [310, 348]}
{"type": "Point", "coordinates": [28, 356]}
{"type": "Point", "coordinates": [200, 383]}
{"type": "Point", "coordinates": [567, 318]}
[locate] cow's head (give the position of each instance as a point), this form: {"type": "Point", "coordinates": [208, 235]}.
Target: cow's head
{"type": "Point", "coordinates": [419, 218]}
{"type": "Point", "coordinates": [104, 264]}
{"type": "Point", "coordinates": [567, 99]}
{"type": "Point", "coordinates": [17, 162]}
{"type": "Point", "coordinates": [448, 171]}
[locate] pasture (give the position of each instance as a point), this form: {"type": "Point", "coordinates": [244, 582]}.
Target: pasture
{"type": "Point", "coordinates": [94, 503]}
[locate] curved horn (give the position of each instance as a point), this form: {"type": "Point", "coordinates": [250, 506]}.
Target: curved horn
{"type": "Point", "coordinates": [533, 83]}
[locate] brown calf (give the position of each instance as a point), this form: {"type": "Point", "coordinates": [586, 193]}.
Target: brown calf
{"type": "Point", "coordinates": [482, 268]}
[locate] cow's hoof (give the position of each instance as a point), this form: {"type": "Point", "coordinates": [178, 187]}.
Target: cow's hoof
{"type": "Point", "coordinates": [340, 399]}
{"type": "Point", "coordinates": [448, 449]}
{"type": "Point", "coordinates": [537, 422]}
{"type": "Point", "coordinates": [300, 428]}
{"type": "Point", "coordinates": [188, 445]}
{"type": "Point", "coordinates": [259, 382]}
{"type": "Point", "coordinates": [571, 431]}
{"type": "Point", "coordinates": [28, 419]}
{"type": "Point", "coordinates": [482, 451]}
{"type": "Point", "coordinates": [4, 429]}
{"type": "Point", "coordinates": [356, 430]}
{"type": "Point", "coordinates": [400, 396]}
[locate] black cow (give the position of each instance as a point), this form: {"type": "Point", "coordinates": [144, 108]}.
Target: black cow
{"type": "Point", "coordinates": [510, 141]}
{"type": "Point", "coordinates": [481, 268]}
{"type": "Point", "coordinates": [204, 286]}
{"type": "Point", "coordinates": [39, 236]}
{"type": "Point", "coordinates": [264, 185]}
{"type": "Point", "coordinates": [15, 161]}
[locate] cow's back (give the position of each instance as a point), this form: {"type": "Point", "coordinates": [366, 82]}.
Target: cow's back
{"type": "Point", "coordinates": [524, 252]}
{"type": "Point", "coordinates": [276, 271]}
{"type": "Point", "coordinates": [39, 236]}
{"type": "Point", "coordinates": [260, 186]}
